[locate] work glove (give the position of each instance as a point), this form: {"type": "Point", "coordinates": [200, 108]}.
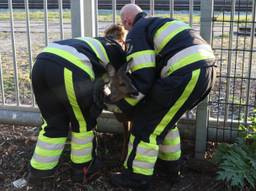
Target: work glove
{"type": "Point", "coordinates": [122, 117]}
{"type": "Point", "coordinates": [97, 98]}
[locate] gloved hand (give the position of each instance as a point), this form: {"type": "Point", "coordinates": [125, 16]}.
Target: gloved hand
{"type": "Point", "coordinates": [98, 92]}
{"type": "Point", "coordinates": [121, 117]}
{"type": "Point", "coordinates": [97, 97]}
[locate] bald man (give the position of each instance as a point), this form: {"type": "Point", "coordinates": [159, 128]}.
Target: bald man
{"type": "Point", "coordinates": [173, 69]}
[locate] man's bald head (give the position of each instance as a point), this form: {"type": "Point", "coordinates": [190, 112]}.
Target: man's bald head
{"type": "Point", "coordinates": [128, 14]}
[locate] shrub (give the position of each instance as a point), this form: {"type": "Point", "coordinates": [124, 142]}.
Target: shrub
{"type": "Point", "coordinates": [237, 162]}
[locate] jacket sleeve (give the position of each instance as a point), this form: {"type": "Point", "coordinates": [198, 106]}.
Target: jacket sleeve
{"type": "Point", "coordinates": [141, 66]}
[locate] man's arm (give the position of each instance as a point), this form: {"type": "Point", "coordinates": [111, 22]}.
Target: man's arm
{"type": "Point", "coordinates": [141, 67]}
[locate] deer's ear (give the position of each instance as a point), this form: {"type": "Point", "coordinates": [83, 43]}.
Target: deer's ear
{"type": "Point", "coordinates": [111, 70]}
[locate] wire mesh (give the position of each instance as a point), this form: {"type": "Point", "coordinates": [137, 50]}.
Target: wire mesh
{"type": "Point", "coordinates": [233, 97]}
{"type": "Point", "coordinates": [23, 33]}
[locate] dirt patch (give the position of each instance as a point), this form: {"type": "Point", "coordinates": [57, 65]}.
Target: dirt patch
{"type": "Point", "coordinates": [17, 144]}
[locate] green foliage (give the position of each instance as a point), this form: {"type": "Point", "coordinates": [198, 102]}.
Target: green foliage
{"type": "Point", "coordinates": [237, 162]}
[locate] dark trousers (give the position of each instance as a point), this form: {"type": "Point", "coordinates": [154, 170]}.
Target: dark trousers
{"type": "Point", "coordinates": [64, 96]}
{"type": "Point", "coordinates": [155, 117]}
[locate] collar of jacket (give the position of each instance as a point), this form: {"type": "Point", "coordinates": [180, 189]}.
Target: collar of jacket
{"type": "Point", "coordinates": [138, 16]}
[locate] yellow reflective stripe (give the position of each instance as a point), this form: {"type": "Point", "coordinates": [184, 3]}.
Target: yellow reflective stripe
{"type": "Point", "coordinates": [141, 59]}
{"type": "Point", "coordinates": [45, 145]}
{"type": "Point", "coordinates": [140, 53]}
{"type": "Point", "coordinates": [169, 37]}
{"type": "Point", "coordinates": [143, 171]}
{"type": "Point", "coordinates": [82, 152]}
{"type": "Point", "coordinates": [176, 107]}
{"type": "Point", "coordinates": [188, 60]}
{"type": "Point", "coordinates": [51, 140]}
{"type": "Point", "coordinates": [128, 154]}
{"type": "Point", "coordinates": [83, 135]}
{"type": "Point", "coordinates": [171, 141]}
{"type": "Point", "coordinates": [71, 58]}
{"type": "Point", "coordinates": [134, 100]}
{"type": "Point", "coordinates": [166, 32]}
{"type": "Point", "coordinates": [144, 65]}
{"type": "Point", "coordinates": [68, 79]}
{"type": "Point", "coordinates": [42, 131]}
{"type": "Point", "coordinates": [79, 147]}
{"type": "Point", "coordinates": [97, 48]}
{"type": "Point", "coordinates": [148, 159]}
{"type": "Point", "coordinates": [169, 148]}
{"type": "Point", "coordinates": [46, 152]}
{"type": "Point", "coordinates": [44, 124]}
{"type": "Point", "coordinates": [169, 156]}
{"type": "Point", "coordinates": [148, 145]}
{"type": "Point", "coordinates": [131, 101]}
{"type": "Point", "coordinates": [82, 138]}
{"type": "Point", "coordinates": [131, 140]}
{"type": "Point", "coordinates": [42, 166]}
{"type": "Point", "coordinates": [81, 159]}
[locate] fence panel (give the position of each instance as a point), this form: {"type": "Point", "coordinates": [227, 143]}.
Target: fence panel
{"type": "Point", "coordinates": [233, 98]}
{"type": "Point", "coordinates": [25, 31]}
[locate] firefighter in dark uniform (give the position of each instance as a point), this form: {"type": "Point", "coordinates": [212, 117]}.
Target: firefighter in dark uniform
{"type": "Point", "coordinates": [173, 69]}
{"type": "Point", "coordinates": [67, 80]}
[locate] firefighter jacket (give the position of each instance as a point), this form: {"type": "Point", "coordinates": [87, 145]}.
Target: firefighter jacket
{"type": "Point", "coordinates": [159, 47]}
{"type": "Point", "coordinates": [89, 54]}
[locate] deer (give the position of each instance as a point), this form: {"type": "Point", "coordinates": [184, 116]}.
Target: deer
{"type": "Point", "coordinates": [119, 87]}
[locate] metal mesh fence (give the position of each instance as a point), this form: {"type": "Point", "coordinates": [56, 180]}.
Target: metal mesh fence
{"type": "Point", "coordinates": [25, 31]}
{"type": "Point", "coordinates": [233, 99]}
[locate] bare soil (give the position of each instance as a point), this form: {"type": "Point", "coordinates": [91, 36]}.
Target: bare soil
{"type": "Point", "coordinates": [17, 144]}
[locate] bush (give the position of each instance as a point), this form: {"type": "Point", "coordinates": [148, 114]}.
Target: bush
{"type": "Point", "coordinates": [237, 162]}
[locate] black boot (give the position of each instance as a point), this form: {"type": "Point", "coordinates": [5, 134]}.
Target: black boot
{"type": "Point", "coordinates": [41, 180]}
{"type": "Point", "coordinates": [130, 180]}
{"type": "Point", "coordinates": [88, 172]}
{"type": "Point", "coordinates": [170, 171]}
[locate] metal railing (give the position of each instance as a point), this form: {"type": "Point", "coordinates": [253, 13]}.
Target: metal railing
{"type": "Point", "coordinates": [233, 98]}
{"type": "Point", "coordinates": [230, 31]}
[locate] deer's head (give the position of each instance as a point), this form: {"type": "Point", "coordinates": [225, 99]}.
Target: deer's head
{"type": "Point", "coordinates": [120, 85]}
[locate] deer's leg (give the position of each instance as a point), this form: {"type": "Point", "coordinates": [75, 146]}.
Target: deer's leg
{"type": "Point", "coordinates": [126, 134]}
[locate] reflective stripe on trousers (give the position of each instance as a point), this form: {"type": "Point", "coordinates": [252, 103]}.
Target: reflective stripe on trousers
{"type": "Point", "coordinates": [170, 149]}
{"type": "Point", "coordinates": [81, 147]}
{"type": "Point", "coordinates": [47, 151]}
{"type": "Point", "coordinates": [69, 86]}
{"type": "Point", "coordinates": [176, 107]}
{"type": "Point", "coordinates": [145, 157]}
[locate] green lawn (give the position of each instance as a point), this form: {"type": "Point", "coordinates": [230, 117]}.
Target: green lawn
{"type": "Point", "coordinates": [54, 15]}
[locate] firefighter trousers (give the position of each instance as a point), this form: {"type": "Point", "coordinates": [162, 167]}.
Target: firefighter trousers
{"type": "Point", "coordinates": [154, 132]}
{"type": "Point", "coordinates": [64, 96]}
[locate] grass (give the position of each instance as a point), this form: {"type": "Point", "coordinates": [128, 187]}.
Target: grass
{"type": "Point", "coordinates": [54, 15]}
{"type": "Point", "coordinates": [35, 15]}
